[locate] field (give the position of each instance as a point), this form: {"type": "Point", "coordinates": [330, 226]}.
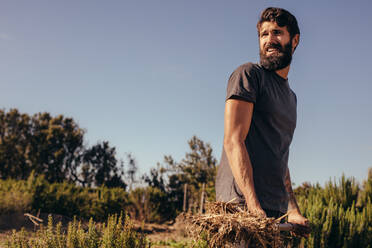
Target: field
{"type": "Point", "coordinates": [340, 214]}
{"type": "Point", "coordinates": [172, 234]}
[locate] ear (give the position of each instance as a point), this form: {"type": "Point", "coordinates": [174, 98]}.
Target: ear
{"type": "Point", "coordinates": [295, 41]}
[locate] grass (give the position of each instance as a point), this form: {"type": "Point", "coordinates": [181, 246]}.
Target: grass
{"type": "Point", "coordinates": [117, 232]}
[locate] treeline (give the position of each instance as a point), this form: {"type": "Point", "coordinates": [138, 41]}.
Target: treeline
{"type": "Point", "coordinates": [159, 199]}
{"type": "Point", "coordinates": [70, 174]}
{"type": "Point", "coordinates": [54, 147]}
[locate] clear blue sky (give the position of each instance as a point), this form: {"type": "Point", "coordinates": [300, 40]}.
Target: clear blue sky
{"type": "Point", "coordinates": [147, 75]}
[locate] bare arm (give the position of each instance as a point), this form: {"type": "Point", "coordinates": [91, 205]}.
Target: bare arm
{"type": "Point", "coordinates": [238, 116]}
{"type": "Point", "coordinates": [292, 203]}
{"type": "Point", "coordinates": [294, 214]}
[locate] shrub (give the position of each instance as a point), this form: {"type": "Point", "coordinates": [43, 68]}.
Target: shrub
{"type": "Point", "coordinates": [336, 221]}
{"type": "Point", "coordinates": [14, 197]}
{"type": "Point", "coordinates": [60, 198]}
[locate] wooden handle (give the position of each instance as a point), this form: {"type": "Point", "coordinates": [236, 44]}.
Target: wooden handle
{"type": "Point", "coordinates": [296, 228]}
{"type": "Point", "coordinates": [286, 227]}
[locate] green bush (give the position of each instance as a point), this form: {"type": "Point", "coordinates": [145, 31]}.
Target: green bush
{"type": "Point", "coordinates": [61, 198]}
{"type": "Point", "coordinates": [70, 200]}
{"type": "Point", "coordinates": [14, 197]}
{"type": "Point", "coordinates": [336, 221]}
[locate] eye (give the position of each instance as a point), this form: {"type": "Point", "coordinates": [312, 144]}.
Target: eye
{"type": "Point", "coordinates": [263, 34]}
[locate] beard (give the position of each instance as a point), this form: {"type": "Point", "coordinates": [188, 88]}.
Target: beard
{"type": "Point", "coordinates": [278, 60]}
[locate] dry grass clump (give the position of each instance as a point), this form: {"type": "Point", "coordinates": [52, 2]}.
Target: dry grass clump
{"type": "Point", "coordinates": [227, 224]}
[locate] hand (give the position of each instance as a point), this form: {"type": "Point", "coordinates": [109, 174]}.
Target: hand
{"type": "Point", "coordinates": [256, 210]}
{"type": "Point", "coordinates": [296, 218]}
{"type": "Point", "coordinates": [301, 224]}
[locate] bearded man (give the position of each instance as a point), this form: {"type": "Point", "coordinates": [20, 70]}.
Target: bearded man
{"type": "Point", "coordinates": [259, 122]}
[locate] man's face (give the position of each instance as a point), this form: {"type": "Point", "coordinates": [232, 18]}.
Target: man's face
{"type": "Point", "coordinates": [275, 46]}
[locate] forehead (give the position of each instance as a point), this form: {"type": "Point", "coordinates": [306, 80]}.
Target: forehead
{"type": "Point", "coordinates": [267, 26]}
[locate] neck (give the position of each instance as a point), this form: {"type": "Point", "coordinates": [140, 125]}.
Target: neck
{"type": "Point", "coordinates": [283, 72]}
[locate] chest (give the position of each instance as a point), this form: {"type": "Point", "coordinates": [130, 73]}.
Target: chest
{"type": "Point", "coordinates": [277, 105]}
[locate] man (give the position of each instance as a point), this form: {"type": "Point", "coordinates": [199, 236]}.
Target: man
{"type": "Point", "coordinates": [260, 118]}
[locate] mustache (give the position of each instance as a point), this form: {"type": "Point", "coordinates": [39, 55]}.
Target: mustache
{"type": "Point", "coordinates": [275, 46]}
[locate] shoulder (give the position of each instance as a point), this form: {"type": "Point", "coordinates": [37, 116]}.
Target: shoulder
{"type": "Point", "coordinates": [245, 82]}
{"type": "Point", "coordinates": [252, 72]}
{"type": "Point", "coordinates": [249, 69]}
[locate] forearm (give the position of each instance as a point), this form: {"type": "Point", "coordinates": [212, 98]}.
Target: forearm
{"type": "Point", "coordinates": [241, 168]}
{"type": "Point", "coordinates": [292, 203]}
{"type": "Point", "coordinates": [238, 117]}
{"type": "Point", "coordinates": [294, 214]}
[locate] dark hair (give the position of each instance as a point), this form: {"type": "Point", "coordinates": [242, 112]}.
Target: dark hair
{"type": "Point", "coordinates": [282, 17]}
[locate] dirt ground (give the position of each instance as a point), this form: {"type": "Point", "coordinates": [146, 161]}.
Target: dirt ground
{"type": "Point", "coordinates": [170, 232]}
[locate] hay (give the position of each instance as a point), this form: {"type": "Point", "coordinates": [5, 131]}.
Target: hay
{"type": "Point", "coordinates": [227, 224]}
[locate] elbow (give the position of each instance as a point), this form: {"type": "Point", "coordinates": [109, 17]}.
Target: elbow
{"type": "Point", "coordinates": [231, 143]}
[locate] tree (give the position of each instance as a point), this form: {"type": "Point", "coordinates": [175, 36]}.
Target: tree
{"type": "Point", "coordinates": [41, 143]}
{"type": "Point", "coordinates": [132, 170]}
{"type": "Point", "coordinates": [14, 146]}
{"type": "Point", "coordinates": [54, 147]}
{"type": "Point", "coordinates": [199, 165]}
{"type": "Point", "coordinates": [156, 179]}
{"type": "Point", "coordinates": [197, 168]}
{"type": "Point", "coordinates": [101, 162]}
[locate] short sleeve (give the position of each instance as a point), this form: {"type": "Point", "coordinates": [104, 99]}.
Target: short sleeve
{"type": "Point", "coordinates": [243, 83]}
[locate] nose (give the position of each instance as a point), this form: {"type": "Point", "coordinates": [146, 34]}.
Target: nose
{"type": "Point", "coordinates": [272, 37]}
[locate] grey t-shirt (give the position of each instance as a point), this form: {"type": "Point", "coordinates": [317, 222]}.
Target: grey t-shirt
{"type": "Point", "coordinates": [269, 137]}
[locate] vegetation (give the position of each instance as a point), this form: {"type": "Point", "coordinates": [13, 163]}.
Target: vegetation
{"type": "Point", "coordinates": [197, 168]}
{"type": "Point", "coordinates": [66, 177]}
{"type": "Point", "coordinates": [117, 232]}
{"type": "Point", "coordinates": [67, 199]}
{"type": "Point", "coordinates": [44, 165]}
{"type": "Point", "coordinates": [54, 147]}
{"type": "Point", "coordinates": [341, 214]}
{"type": "Point", "coordinates": [165, 188]}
